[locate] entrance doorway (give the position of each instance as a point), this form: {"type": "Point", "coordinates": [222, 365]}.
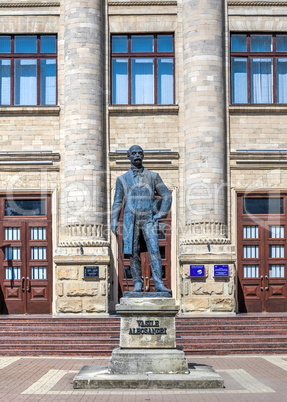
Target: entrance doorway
{"type": "Point", "coordinates": [25, 255]}
{"type": "Point", "coordinates": [124, 271]}
{"type": "Point", "coordinates": [262, 253]}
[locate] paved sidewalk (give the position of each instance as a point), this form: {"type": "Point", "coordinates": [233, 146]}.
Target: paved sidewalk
{"type": "Point", "coordinates": [247, 378]}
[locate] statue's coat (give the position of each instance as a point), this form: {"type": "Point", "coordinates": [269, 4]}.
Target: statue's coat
{"type": "Point", "coordinates": [137, 195]}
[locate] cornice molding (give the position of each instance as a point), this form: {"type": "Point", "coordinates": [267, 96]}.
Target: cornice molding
{"type": "Point", "coordinates": [228, 258]}
{"type": "Point", "coordinates": [30, 110]}
{"type": "Point", "coordinates": [84, 243]}
{"type": "Point", "coordinates": [143, 3]}
{"type": "Point", "coordinates": [148, 109]}
{"type": "Point", "coordinates": [26, 156]}
{"type": "Point", "coordinates": [81, 259]}
{"type": "Point", "coordinates": [205, 240]}
{"type": "Point", "coordinates": [276, 155]}
{"type": "Point", "coordinates": [152, 155]}
{"type": "Point", "coordinates": [21, 5]}
{"type": "Point", "coordinates": [255, 3]}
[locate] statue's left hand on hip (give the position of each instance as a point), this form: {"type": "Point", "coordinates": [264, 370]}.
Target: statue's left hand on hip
{"type": "Point", "coordinates": [156, 217]}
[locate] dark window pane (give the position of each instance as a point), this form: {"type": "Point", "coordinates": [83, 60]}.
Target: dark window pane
{"type": "Point", "coordinates": [162, 251]}
{"type": "Point", "coordinates": [48, 44]}
{"type": "Point", "coordinates": [5, 44]}
{"type": "Point", "coordinates": [239, 79]}
{"type": "Point", "coordinates": [128, 273]}
{"type": "Point", "coordinates": [120, 44]}
{"type": "Point", "coordinates": [164, 43]}
{"type": "Point", "coordinates": [25, 207]}
{"type": "Point", "coordinates": [5, 81]}
{"type": "Point", "coordinates": [256, 206]}
{"type": "Point", "coordinates": [281, 43]}
{"type": "Point", "coordinates": [282, 80]}
{"type": "Point", "coordinates": [12, 253]}
{"type": "Point", "coordinates": [238, 43]}
{"type": "Point", "coordinates": [120, 81]}
{"type": "Point", "coordinates": [142, 43]}
{"type": "Point", "coordinates": [165, 81]}
{"type": "Point", "coordinates": [261, 43]}
{"type": "Point", "coordinates": [261, 80]}
{"type": "Point", "coordinates": [161, 230]}
{"type": "Point", "coordinates": [48, 81]}
{"type": "Point", "coordinates": [25, 82]}
{"type": "Point", "coordinates": [142, 81]}
{"type": "Point", "coordinates": [25, 44]}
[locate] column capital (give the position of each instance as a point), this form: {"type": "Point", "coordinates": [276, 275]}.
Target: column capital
{"type": "Point", "coordinates": [205, 233]}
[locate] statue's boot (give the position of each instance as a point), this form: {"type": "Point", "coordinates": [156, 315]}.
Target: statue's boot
{"type": "Point", "coordinates": [136, 274]}
{"type": "Point", "coordinates": [137, 287]}
{"type": "Point", "coordinates": [156, 269]}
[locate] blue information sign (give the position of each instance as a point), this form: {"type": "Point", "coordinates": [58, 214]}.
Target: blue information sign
{"type": "Point", "coordinates": [221, 270]}
{"type": "Point", "coordinates": [197, 270]}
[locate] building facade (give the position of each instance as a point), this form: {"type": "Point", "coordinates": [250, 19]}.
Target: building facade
{"type": "Point", "coordinates": [201, 86]}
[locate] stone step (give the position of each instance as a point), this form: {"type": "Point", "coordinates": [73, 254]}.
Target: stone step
{"type": "Point", "coordinates": [31, 351]}
{"type": "Point", "coordinates": [208, 345]}
{"type": "Point", "coordinates": [97, 336]}
{"type": "Point", "coordinates": [180, 326]}
{"type": "Point", "coordinates": [75, 333]}
{"type": "Point", "coordinates": [89, 323]}
{"type": "Point", "coordinates": [232, 331]}
{"type": "Point", "coordinates": [254, 339]}
{"type": "Point", "coordinates": [180, 339]}
{"type": "Point", "coordinates": [54, 341]}
{"type": "Point", "coordinates": [115, 331]}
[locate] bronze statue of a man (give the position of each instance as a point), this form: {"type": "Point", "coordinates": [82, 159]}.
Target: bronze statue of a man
{"type": "Point", "coordinates": [136, 191]}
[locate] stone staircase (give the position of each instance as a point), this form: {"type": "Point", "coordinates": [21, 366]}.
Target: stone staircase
{"type": "Point", "coordinates": [241, 334]}
{"type": "Point", "coordinates": [98, 336]}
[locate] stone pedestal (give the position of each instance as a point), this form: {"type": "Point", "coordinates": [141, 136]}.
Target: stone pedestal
{"type": "Point", "coordinates": [140, 361]}
{"type": "Point", "coordinates": [147, 356]}
{"type": "Point", "coordinates": [147, 323]}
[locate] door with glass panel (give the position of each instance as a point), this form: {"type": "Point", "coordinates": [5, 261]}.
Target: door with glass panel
{"type": "Point", "coordinates": [262, 279]}
{"type": "Point", "coordinates": [25, 256]}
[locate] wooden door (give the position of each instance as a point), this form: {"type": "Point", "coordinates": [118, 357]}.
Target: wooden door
{"type": "Point", "coordinates": [262, 254]}
{"type": "Point", "coordinates": [124, 272]}
{"type": "Point", "coordinates": [25, 258]}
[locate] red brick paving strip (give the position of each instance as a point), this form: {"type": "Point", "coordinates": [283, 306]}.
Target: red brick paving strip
{"type": "Point", "coordinates": [45, 379]}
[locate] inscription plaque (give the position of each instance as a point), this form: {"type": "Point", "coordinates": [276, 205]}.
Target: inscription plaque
{"type": "Point", "coordinates": [149, 327]}
{"type": "Point", "coordinates": [91, 272]}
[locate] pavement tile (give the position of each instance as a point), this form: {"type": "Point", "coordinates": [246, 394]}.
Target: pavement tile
{"type": "Point", "coordinates": [46, 379]}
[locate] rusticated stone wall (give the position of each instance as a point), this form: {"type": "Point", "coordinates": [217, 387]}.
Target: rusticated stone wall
{"type": "Point", "coordinates": [208, 294]}
{"type": "Point", "coordinates": [75, 295]}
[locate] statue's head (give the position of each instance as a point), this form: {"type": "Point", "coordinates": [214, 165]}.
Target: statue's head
{"type": "Point", "coordinates": [136, 155]}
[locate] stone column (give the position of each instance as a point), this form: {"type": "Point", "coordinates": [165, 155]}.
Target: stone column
{"type": "Point", "coordinates": [204, 239]}
{"type": "Point", "coordinates": [204, 127]}
{"type": "Point", "coordinates": [84, 186]}
{"type": "Point", "coordinates": [83, 207]}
